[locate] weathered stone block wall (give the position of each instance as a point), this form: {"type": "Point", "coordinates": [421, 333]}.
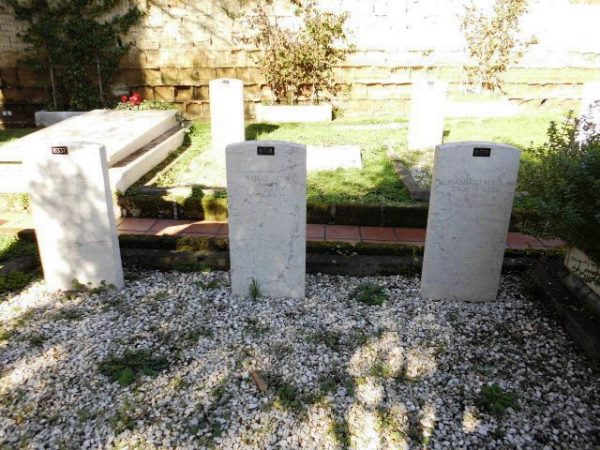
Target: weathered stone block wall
{"type": "Point", "coordinates": [182, 44]}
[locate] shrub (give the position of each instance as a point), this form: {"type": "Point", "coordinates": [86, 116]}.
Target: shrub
{"type": "Point", "coordinates": [562, 188]}
{"type": "Point", "coordinates": [370, 294]}
{"type": "Point", "coordinates": [300, 62]}
{"type": "Point", "coordinates": [492, 42]}
{"type": "Point", "coordinates": [124, 370]}
{"type": "Point", "coordinates": [76, 46]}
{"type": "Point", "coordinates": [495, 400]}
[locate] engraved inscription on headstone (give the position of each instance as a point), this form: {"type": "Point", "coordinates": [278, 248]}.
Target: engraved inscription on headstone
{"type": "Point", "coordinates": [427, 113]}
{"type": "Point", "coordinates": [226, 112]}
{"type": "Point", "coordinates": [73, 215]}
{"type": "Point", "coordinates": [266, 192]}
{"type": "Point", "coordinates": [469, 214]}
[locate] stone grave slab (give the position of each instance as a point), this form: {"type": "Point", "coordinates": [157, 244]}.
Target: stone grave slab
{"type": "Point", "coordinates": [266, 190]}
{"type": "Point", "coordinates": [120, 132]}
{"type": "Point", "coordinates": [333, 157]}
{"type": "Point", "coordinates": [73, 215]}
{"type": "Point", "coordinates": [226, 112]}
{"type": "Point", "coordinates": [469, 214]}
{"type": "Point", "coordinates": [427, 114]}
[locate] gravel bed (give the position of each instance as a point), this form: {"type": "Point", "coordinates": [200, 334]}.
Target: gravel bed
{"type": "Point", "coordinates": [340, 373]}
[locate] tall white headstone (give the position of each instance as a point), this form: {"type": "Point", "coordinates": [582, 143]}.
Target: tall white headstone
{"type": "Point", "coordinates": [427, 113]}
{"type": "Point", "coordinates": [226, 112]}
{"type": "Point", "coordinates": [266, 191]}
{"type": "Point", "coordinates": [73, 215]}
{"type": "Point", "coordinates": [590, 110]}
{"type": "Point", "coordinates": [469, 214]}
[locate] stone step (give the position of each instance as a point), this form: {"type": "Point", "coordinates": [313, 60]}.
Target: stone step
{"type": "Point", "coordinates": [128, 170]}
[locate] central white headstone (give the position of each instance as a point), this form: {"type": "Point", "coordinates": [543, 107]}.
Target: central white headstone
{"type": "Point", "coordinates": [469, 214]}
{"type": "Point", "coordinates": [73, 216]}
{"type": "Point", "coordinates": [226, 112]}
{"type": "Point", "coordinates": [427, 113]}
{"type": "Point", "coordinates": [266, 191]}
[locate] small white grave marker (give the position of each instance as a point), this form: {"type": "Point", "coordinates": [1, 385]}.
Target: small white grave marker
{"type": "Point", "coordinates": [73, 215]}
{"type": "Point", "coordinates": [266, 191]}
{"type": "Point", "coordinates": [590, 109]}
{"type": "Point", "coordinates": [469, 214]}
{"type": "Point", "coordinates": [427, 113]}
{"type": "Point", "coordinates": [226, 112]}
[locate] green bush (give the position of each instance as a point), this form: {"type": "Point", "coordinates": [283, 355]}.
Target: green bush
{"type": "Point", "coordinates": [562, 186]}
{"type": "Point", "coordinates": [492, 41]}
{"type": "Point", "coordinates": [299, 63]}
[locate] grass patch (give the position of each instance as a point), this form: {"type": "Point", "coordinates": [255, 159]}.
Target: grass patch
{"type": "Point", "coordinates": [329, 338]}
{"type": "Point", "coordinates": [125, 369]}
{"type": "Point", "coordinates": [14, 133]}
{"type": "Point", "coordinates": [14, 281]}
{"type": "Point", "coordinates": [495, 400]}
{"type": "Point", "coordinates": [11, 247]}
{"type": "Point", "coordinates": [370, 294]}
{"type": "Point", "coordinates": [377, 182]}
{"type": "Point", "coordinates": [254, 290]}
{"type": "Point", "coordinates": [287, 397]}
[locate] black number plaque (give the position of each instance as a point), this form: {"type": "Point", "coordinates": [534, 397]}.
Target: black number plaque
{"type": "Point", "coordinates": [60, 150]}
{"type": "Point", "coordinates": [482, 152]}
{"type": "Point", "coordinates": [265, 151]}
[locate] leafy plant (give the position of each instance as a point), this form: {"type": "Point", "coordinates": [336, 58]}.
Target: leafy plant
{"type": "Point", "coordinates": [125, 369]}
{"type": "Point", "coordinates": [495, 400]}
{"type": "Point", "coordinates": [492, 41]}
{"type": "Point", "coordinates": [254, 290]}
{"type": "Point", "coordinates": [370, 294]}
{"type": "Point", "coordinates": [561, 186]}
{"type": "Point", "coordinates": [77, 44]}
{"type": "Point", "coordinates": [299, 62]}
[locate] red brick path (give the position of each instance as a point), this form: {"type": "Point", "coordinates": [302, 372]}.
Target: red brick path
{"type": "Point", "coordinates": [314, 232]}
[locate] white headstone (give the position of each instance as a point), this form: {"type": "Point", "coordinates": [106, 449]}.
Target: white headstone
{"type": "Point", "coordinates": [427, 113]}
{"type": "Point", "coordinates": [73, 215]}
{"type": "Point", "coordinates": [590, 110]}
{"type": "Point", "coordinates": [226, 112]}
{"type": "Point", "coordinates": [266, 191]}
{"type": "Point", "coordinates": [469, 214]}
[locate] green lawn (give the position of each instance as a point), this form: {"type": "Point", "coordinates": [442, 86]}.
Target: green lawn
{"type": "Point", "coordinates": [196, 163]}
{"type": "Point", "coordinates": [377, 182]}
{"type": "Point", "coordinates": [14, 133]}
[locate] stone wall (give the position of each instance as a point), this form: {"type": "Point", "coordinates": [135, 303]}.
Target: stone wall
{"type": "Point", "coordinates": [182, 44]}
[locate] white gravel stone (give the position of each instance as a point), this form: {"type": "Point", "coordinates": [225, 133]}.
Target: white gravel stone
{"type": "Point", "coordinates": [406, 374]}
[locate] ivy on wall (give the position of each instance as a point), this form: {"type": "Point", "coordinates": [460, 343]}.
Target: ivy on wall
{"type": "Point", "coordinates": [76, 45]}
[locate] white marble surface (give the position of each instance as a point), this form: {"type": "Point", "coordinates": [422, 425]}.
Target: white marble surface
{"type": "Point", "coordinates": [590, 109]}
{"type": "Point", "coordinates": [469, 214]}
{"type": "Point", "coordinates": [427, 114]}
{"type": "Point", "coordinates": [333, 157]}
{"type": "Point", "coordinates": [226, 112]}
{"type": "Point", "coordinates": [73, 216]}
{"type": "Point", "coordinates": [47, 118]}
{"type": "Point", "coordinates": [294, 113]}
{"type": "Point", "coordinates": [267, 218]}
{"type": "Point", "coordinates": [120, 132]}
